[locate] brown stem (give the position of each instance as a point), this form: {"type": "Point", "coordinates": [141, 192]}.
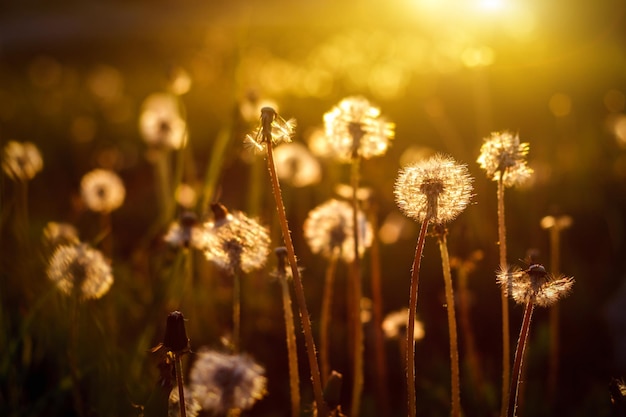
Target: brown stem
{"type": "Point", "coordinates": [327, 301]}
{"type": "Point", "coordinates": [410, 329]}
{"type": "Point", "coordinates": [236, 312]}
{"type": "Point", "coordinates": [519, 357]}
{"type": "Point", "coordinates": [506, 343]}
{"type": "Point", "coordinates": [322, 409]}
{"type": "Point", "coordinates": [553, 371]}
{"type": "Point", "coordinates": [294, 376]}
{"type": "Point", "coordinates": [179, 381]}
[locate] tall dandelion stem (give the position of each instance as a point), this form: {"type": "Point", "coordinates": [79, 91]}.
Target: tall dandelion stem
{"type": "Point", "coordinates": [178, 363]}
{"type": "Point", "coordinates": [357, 289]}
{"type": "Point", "coordinates": [519, 357]}
{"type": "Point", "coordinates": [454, 350]}
{"type": "Point", "coordinates": [410, 329]}
{"type": "Point", "coordinates": [506, 343]}
{"type": "Point", "coordinates": [294, 375]}
{"type": "Point", "coordinates": [299, 289]}
{"type": "Point", "coordinates": [327, 302]}
{"type": "Point", "coordinates": [236, 311]}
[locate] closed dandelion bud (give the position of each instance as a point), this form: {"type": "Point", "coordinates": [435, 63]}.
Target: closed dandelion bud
{"type": "Point", "coordinates": [437, 189]}
{"type": "Point", "coordinates": [175, 339]}
{"type": "Point", "coordinates": [102, 190]}
{"type": "Point", "coordinates": [502, 156]}
{"type": "Point", "coordinates": [21, 161]}
{"type": "Point", "coordinates": [534, 285]}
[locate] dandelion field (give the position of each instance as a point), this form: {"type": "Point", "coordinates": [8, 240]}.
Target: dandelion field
{"type": "Point", "coordinates": [153, 156]}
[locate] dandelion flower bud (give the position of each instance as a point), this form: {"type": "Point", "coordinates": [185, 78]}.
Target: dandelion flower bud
{"type": "Point", "coordinates": [502, 156]}
{"type": "Point", "coordinates": [534, 285]}
{"type": "Point", "coordinates": [223, 382]}
{"type": "Point", "coordinates": [328, 230]}
{"type": "Point", "coordinates": [21, 161]}
{"type": "Point", "coordinates": [81, 270]}
{"type": "Point", "coordinates": [436, 189]}
{"type": "Point", "coordinates": [234, 242]}
{"type": "Point", "coordinates": [102, 190]}
{"type": "Point", "coordinates": [355, 128]}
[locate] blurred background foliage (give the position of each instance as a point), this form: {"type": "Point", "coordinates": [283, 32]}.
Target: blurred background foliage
{"type": "Point", "coordinates": [73, 75]}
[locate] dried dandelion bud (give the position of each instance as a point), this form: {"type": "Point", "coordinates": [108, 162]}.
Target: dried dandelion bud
{"type": "Point", "coordinates": [296, 166]}
{"type": "Point", "coordinates": [175, 339]}
{"type": "Point", "coordinates": [223, 382]}
{"type": "Point", "coordinates": [185, 232]}
{"type": "Point", "coordinates": [21, 161]}
{"type": "Point", "coordinates": [81, 270]}
{"type": "Point", "coordinates": [435, 190]}
{"type": "Point", "coordinates": [160, 123]}
{"type": "Point", "coordinates": [502, 156]}
{"type": "Point", "coordinates": [102, 190]}
{"type": "Point", "coordinates": [272, 128]}
{"type": "Point", "coordinates": [534, 285]}
{"type": "Point", "coordinates": [395, 324]}
{"type": "Point", "coordinates": [354, 128]}
{"type": "Point", "coordinates": [328, 230]}
{"type": "Point", "coordinates": [234, 242]}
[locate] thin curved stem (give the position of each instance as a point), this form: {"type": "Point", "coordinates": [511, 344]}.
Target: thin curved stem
{"type": "Point", "coordinates": [519, 359]}
{"type": "Point", "coordinates": [322, 409]}
{"type": "Point", "coordinates": [506, 343]}
{"type": "Point", "coordinates": [294, 375]}
{"type": "Point", "coordinates": [325, 317]}
{"type": "Point", "coordinates": [236, 311]}
{"type": "Point", "coordinates": [553, 373]}
{"type": "Point", "coordinates": [410, 329]}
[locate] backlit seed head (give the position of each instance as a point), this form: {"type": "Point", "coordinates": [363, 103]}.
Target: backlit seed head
{"type": "Point", "coordinates": [503, 156]}
{"type": "Point", "coordinates": [223, 382]}
{"type": "Point", "coordinates": [160, 124]}
{"type": "Point", "coordinates": [354, 128]}
{"type": "Point", "coordinates": [272, 127]}
{"type": "Point", "coordinates": [102, 190]}
{"type": "Point", "coordinates": [296, 166]}
{"type": "Point", "coordinates": [21, 161]}
{"type": "Point", "coordinates": [80, 270]}
{"type": "Point", "coordinates": [234, 242]}
{"type": "Point", "coordinates": [328, 230]}
{"type": "Point", "coordinates": [534, 285]}
{"type": "Point", "coordinates": [436, 189]}
{"type": "Point", "coordinates": [185, 232]}
{"type": "Point", "coordinates": [395, 325]}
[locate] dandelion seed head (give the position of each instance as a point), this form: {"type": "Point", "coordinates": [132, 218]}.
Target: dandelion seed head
{"type": "Point", "coordinates": [81, 270]}
{"type": "Point", "coordinates": [160, 123]}
{"type": "Point", "coordinates": [102, 190]}
{"type": "Point", "coordinates": [437, 189]}
{"type": "Point", "coordinates": [234, 242]}
{"type": "Point", "coordinates": [223, 382]}
{"type": "Point", "coordinates": [355, 128]}
{"type": "Point", "coordinates": [328, 230]}
{"type": "Point", "coordinates": [395, 325]}
{"type": "Point", "coordinates": [503, 156]}
{"type": "Point", "coordinates": [296, 166]}
{"type": "Point", "coordinates": [21, 160]}
{"type": "Point", "coordinates": [272, 127]}
{"type": "Point", "coordinates": [534, 285]}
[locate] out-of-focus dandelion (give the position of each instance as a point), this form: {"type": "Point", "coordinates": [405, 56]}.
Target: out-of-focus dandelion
{"type": "Point", "coordinates": [530, 287]}
{"type": "Point", "coordinates": [223, 382]}
{"type": "Point", "coordinates": [503, 158]}
{"type": "Point", "coordinates": [328, 230]}
{"type": "Point", "coordinates": [102, 190]}
{"type": "Point", "coordinates": [81, 271]}
{"type": "Point", "coordinates": [363, 194]}
{"type": "Point", "coordinates": [435, 190]}
{"type": "Point", "coordinates": [355, 128]}
{"type": "Point", "coordinates": [394, 325]}
{"type": "Point", "coordinates": [21, 160]}
{"type": "Point", "coordinates": [272, 129]}
{"type": "Point", "coordinates": [185, 232]}
{"type": "Point", "coordinates": [284, 274]}
{"type": "Point", "coordinates": [57, 234]}
{"type": "Point", "coordinates": [179, 81]}
{"type": "Point", "coordinates": [186, 196]}
{"type": "Point", "coordinates": [296, 165]}
{"type": "Point", "coordinates": [192, 405]}
{"type": "Point", "coordinates": [161, 124]}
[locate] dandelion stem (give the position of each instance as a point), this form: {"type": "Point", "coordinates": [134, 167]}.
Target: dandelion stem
{"type": "Point", "coordinates": [294, 375]}
{"type": "Point", "coordinates": [357, 290]}
{"type": "Point", "coordinates": [236, 311]}
{"type": "Point", "coordinates": [519, 356]}
{"type": "Point", "coordinates": [410, 329]}
{"type": "Point", "coordinates": [454, 349]}
{"type": "Point", "coordinates": [327, 302]}
{"type": "Point", "coordinates": [506, 343]}
{"type": "Point", "coordinates": [179, 381]}
{"type": "Point", "coordinates": [299, 289]}
{"type": "Point", "coordinates": [555, 255]}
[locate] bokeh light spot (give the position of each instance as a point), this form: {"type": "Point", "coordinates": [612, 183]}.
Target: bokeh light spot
{"type": "Point", "coordinates": [560, 104]}
{"type": "Point", "coordinates": [614, 100]}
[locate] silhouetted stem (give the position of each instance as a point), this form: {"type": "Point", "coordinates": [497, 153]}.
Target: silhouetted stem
{"type": "Point", "coordinates": [294, 375]}
{"type": "Point", "coordinates": [236, 311]}
{"type": "Point", "coordinates": [327, 301]}
{"type": "Point", "coordinates": [322, 409]}
{"type": "Point", "coordinates": [179, 381]}
{"type": "Point", "coordinates": [553, 373]}
{"type": "Point", "coordinates": [454, 349]}
{"type": "Point", "coordinates": [410, 329]}
{"type": "Point", "coordinates": [519, 358]}
{"type": "Point", "coordinates": [506, 343]}
{"type": "Point", "coordinates": [357, 290]}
